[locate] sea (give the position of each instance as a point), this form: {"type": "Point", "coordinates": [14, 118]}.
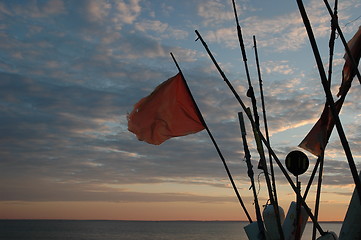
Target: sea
{"type": "Point", "coordinates": [133, 230]}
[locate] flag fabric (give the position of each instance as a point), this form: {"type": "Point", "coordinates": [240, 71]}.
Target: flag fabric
{"type": "Point", "coordinates": [349, 72]}
{"type": "Point", "coordinates": [169, 111]}
{"type": "Point", "coordinates": [316, 140]}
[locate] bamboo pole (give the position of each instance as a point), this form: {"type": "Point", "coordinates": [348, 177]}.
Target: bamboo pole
{"type": "Point", "coordinates": [339, 31]}
{"type": "Point", "coordinates": [265, 118]}
{"type": "Point", "coordinates": [318, 194]}
{"type": "Point", "coordinates": [330, 101]}
{"type": "Point", "coordinates": [311, 178]}
{"type": "Point", "coordinates": [249, 115]}
{"type": "Point", "coordinates": [251, 173]}
{"type": "Point", "coordinates": [250, 93]}
{"type": "Point", "coordinates": [279, 225]}
{"type": "Point", "coordinates": [215, 145]}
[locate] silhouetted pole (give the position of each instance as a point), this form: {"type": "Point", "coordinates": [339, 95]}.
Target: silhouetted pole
{"type": "Point", "coordinates": [330, 101]}
{"type": "Point", "coordinates": [251, 173]}
{"type": "Point", "coordinates": [318, 194]}
{"type": "Point", "coordinates": [265, 119]}
{"type": "Point", "coordinates": [339, 31]}
{"type": "Point", "coordinates": [250, 92]}
{"type": "Point", "coordinates": [215, 145]}
{"type": "Point", "coordinates": [249, 115]}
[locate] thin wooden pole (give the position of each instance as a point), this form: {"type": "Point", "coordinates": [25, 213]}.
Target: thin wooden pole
{"type": "Point", "coordinates": [256, 133]}
{"type": "Point", "coordinates": [298, 211]}
{"type": "Point", "coordinates": [330, 101]}
{"type": "Point", "coordinates": [215, 145]}
{"type": "Point", "coordinates": [265, 117]}
{"type": "Point", "coordinates": [331, 47]}
{"type": "Point", "coordinates": [277, 213]}
{"type": "Point", "coordinates": [339, 31]}
{"type": "Point", "coordinates": [251, 173]}
{"type": "Point", "coordinates": [311, 178]}
{"type": "Point", "coordinates": [264, 114]}
{"type": "Point", "coordinates": [249, 115]}
{"type": "Point", "coordinates": [318, 194]}
{"type": "Point", "coordinates": [331, 43]}
{"type": "Point", "coordinates": [250, 92]}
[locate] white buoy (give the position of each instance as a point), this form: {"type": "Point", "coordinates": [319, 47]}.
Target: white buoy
{"type": "Point", "coordinates": [289, 225]}
{"type": "Point", "coordinates": [328, 236]}
{"type": "Point", "coordinates": [270, 221]}
{"type": "Point", "coordinates": [252, 231]}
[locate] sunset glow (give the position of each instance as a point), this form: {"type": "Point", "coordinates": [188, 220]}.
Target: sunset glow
{"type": "Point", "coordinates": [71, 72]}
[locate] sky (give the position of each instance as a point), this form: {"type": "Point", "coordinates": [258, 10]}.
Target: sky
{"type": "Point", "coordinates": [71, 71]}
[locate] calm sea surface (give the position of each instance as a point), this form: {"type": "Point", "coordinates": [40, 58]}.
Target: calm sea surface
{"type": "Point", "coordinates": [130, 230]}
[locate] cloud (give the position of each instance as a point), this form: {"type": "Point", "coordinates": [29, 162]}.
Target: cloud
{"type": "Point", "coordinates": [214, 12]}
{"type": "Point", "coordinates": [278, 67]}
{"type": "Point", "coordinates": [287, 30]}
{"type": "Point", "coordinates": [156, 26]}
{"type": "Point", "coordinates": [160, 29]}
{"type": "Point", "coordinates": [32, 9]}
{"type": "Point", "coordinates": [98, 10]}
{"type": "Point", "coordinates": [128, 12]}
{"type": "Point", "coordinates": [70, 72]}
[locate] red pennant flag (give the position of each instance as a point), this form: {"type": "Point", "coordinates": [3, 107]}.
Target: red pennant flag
{"type": "Point", "coordinates": [349, 72]}
{"type": "Point", "coordinates": [316, 140]}
{"type": "Point", "coordinates": [169, 111]}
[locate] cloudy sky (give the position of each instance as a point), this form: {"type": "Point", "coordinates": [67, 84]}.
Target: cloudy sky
{"type": "Point", "coordinates": [71, 71]}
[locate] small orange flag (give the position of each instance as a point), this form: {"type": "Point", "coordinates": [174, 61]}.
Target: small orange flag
{"type": "Point", "coordinates": [169, 111]}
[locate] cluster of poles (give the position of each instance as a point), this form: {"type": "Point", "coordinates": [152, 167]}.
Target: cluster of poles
{"type": "Point", "coordinates": [264, 141]}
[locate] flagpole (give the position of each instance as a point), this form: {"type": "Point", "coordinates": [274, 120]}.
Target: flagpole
{"type": "Point", "coordinates": [330, 101]}
{"type": "Point", "coordinates": [250, 172]}
{"type": "Point", "coordinates": [318, 193]}
{"type": "Point", "coordinates": [332, 41]}
{"type": "Point", "coordinates": [268, 140]}
{"type": "Point", "coordinates": [249, 115]}
{"type": "Point", "coordinates": [250, 92]}
{"type": "Point", "coordinates": [311, 178]}
{"type": "Point", "coordinates": [265, 117]}
{"type": "Point", "coordinates": [256, 133]}
{"type": "Point", "coordinates": [335, 22]}
{"type": "Point", "coordinates": [321, 158]}
{"type": "Point", "coordinates": [215, 144]}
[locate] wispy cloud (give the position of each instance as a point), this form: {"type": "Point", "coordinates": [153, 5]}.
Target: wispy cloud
{"type": "Point", "coordinates": [71, 71]}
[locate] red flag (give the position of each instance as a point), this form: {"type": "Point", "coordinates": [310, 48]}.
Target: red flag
{"type": "Point", "coordinates": [316, 140]}
{"type": "Point", "coordinates": [169, 111]}
{"type": "Point", "coordinates": [349, 72]}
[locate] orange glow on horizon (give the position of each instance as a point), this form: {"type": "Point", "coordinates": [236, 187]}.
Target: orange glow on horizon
{"type": "Point", "coordinates": [146, 211]}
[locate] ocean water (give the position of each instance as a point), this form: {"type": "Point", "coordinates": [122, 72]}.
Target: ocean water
{"type": "Point", "coordinates": [131, 230]}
